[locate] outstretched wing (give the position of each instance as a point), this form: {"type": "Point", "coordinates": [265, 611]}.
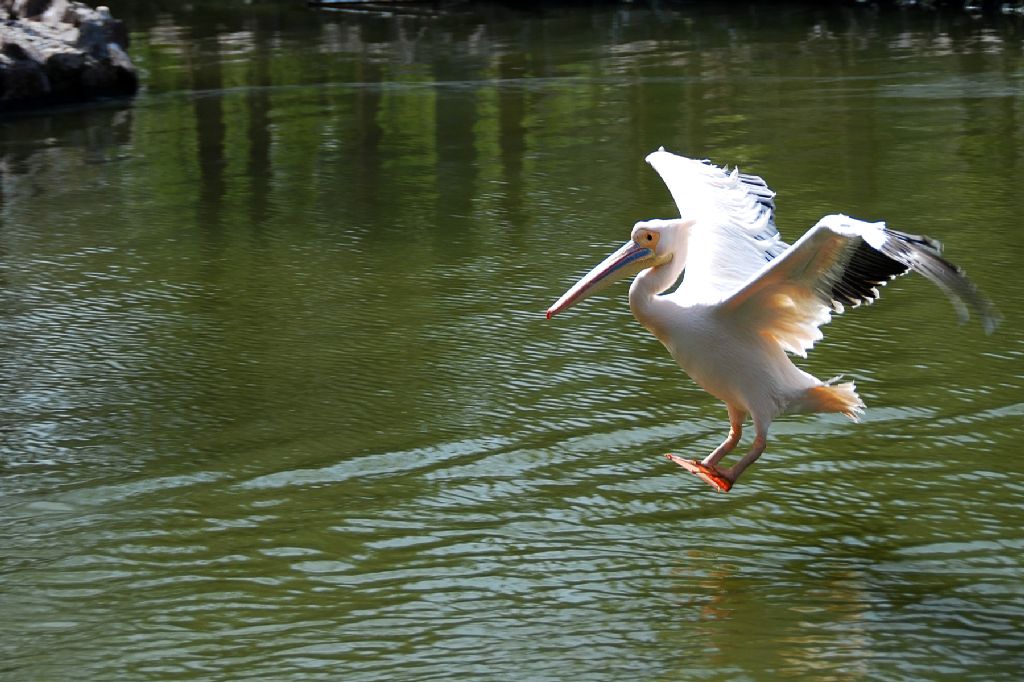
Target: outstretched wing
{"type": "Point", "coordinates": [841, 262]}
{"type": "Point", "coordinates": [734, 234]}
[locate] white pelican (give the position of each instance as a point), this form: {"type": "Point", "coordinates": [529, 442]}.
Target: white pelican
{"type": "Point", "coordinates": [746, 298]}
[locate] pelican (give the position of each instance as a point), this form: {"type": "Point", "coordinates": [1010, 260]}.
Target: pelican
{"type": "Point", "coordinates": [747, 301]}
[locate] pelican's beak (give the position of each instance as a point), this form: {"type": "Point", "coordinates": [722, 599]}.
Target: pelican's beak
{"type": "Point", "coordinates": [628, 260]}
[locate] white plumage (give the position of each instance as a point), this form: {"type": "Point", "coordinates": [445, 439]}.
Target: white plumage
{"type": "Point", "coordinates": [736, 218]}
{"type": "Point", "coordinates": [746, 298]}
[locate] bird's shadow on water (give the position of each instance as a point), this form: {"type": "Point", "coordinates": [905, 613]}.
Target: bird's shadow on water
{"type": "Point", "coordinates": [839, 534]}
{"type": "Point", "coordinates": [801, 578]}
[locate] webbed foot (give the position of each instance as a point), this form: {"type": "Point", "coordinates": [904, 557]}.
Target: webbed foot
{"type": "Point", "coordinates": [710, 475]}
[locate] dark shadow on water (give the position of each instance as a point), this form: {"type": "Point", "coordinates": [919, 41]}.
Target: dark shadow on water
{"type": "Point", "coordinates": [101, 132]}
{"type": "Point", "coordinates": [93, 126]}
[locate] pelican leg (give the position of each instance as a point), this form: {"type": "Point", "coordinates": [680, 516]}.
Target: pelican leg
{"type": "Point", "coordinates": [736, 470]}
{"type": "Point", "coordinates": [736, 417]}
{"type": "Point", "coordinates": [708, 470]}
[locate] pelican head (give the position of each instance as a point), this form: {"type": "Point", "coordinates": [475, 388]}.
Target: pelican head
{"type": "Point", "coordinates": [651, 243]}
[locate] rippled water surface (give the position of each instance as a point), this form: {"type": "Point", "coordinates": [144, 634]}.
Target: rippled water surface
{"type": "Point", "coordinates": [278, 399]}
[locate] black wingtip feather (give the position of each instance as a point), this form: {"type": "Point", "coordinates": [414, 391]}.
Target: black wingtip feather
{"type": "Point", "coordinates": [924, 255]}
{"type": "Point", "coordinates": [866, 270]}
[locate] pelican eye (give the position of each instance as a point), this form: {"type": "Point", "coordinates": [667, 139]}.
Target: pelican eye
{"type": "Point", "coordinates": [650, 237]}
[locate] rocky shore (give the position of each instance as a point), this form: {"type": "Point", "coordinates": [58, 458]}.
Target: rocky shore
{"type": "Point", "coordinates": [61, 52]}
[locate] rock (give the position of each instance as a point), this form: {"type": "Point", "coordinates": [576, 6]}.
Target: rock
{"type": "Point", "coordinates": [28, 9]}
{"type": "Point", "coordinates": [58, 52]}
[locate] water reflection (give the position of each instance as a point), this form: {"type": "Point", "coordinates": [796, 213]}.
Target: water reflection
{"type": "Point", "coordinates": [279, 399]}
{"type": "Point", "coordinates": [497, 62]}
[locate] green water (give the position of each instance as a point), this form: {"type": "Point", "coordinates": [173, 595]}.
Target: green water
{"type": "Point", "coordinates": [278, 399]}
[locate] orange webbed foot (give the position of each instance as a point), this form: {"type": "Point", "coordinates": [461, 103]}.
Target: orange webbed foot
{"type": "Point", "coordinates": [710, 475]}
